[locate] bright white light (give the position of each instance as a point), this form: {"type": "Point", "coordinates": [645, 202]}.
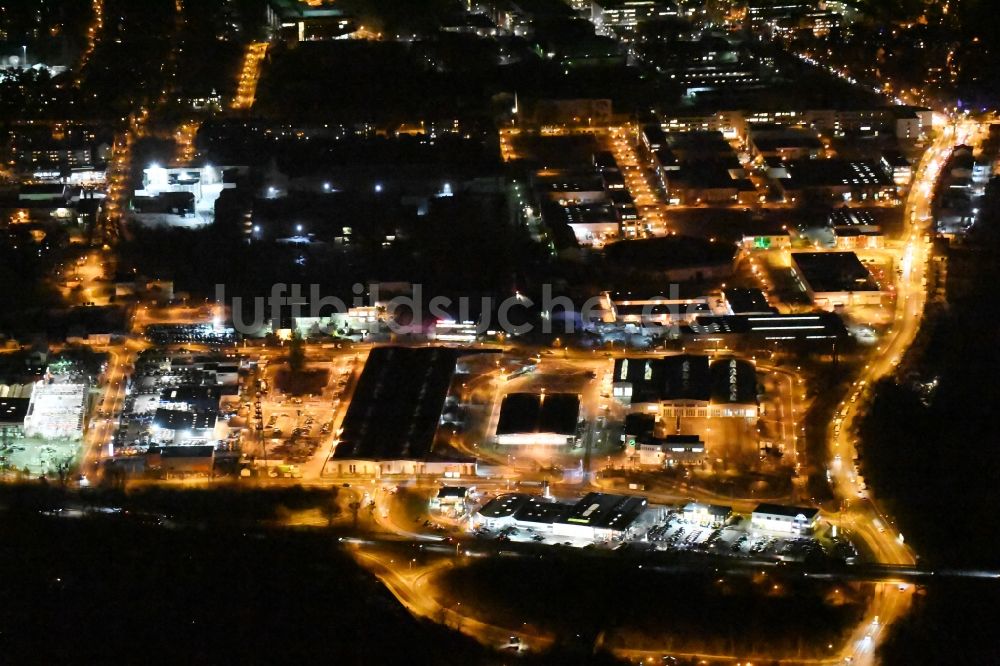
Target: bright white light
{"type": "Point", "coordinates": [157, 177]}
{"type": "Point", "coordinates": [298, 228]}
{"type": "Point", "coordinates": [378, 187]}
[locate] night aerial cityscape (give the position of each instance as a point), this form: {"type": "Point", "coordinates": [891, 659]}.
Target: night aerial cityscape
{"type": "Point", "coordinates": [474, 332]}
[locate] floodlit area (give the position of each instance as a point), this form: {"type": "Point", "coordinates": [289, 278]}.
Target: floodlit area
{"type": "Point", "coordinates": [56, 411]}
{"type": "Point", "coordinates": [612, 522]}
{"type": "Point", "coordinates": [179, 196]}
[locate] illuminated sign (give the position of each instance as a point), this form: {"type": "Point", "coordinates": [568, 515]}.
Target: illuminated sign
{"type": "Point", "coordinates": [732, 381]}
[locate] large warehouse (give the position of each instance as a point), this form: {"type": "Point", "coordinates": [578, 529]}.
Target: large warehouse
{"type": "Point", "coordinates": [56, 411]}
{"type": "Point", "coordinates": [549, 419]}
{"type": "Point", "coordinates": [595, 517]}
{"type": "Point", "coordinates": [835, 279]}
{"type": "Point", "coordinates": [393, 417]}
{"type": "Point", "coordinates": [687, 385]}
{"type": "Point", "coordinates": [769, 328]}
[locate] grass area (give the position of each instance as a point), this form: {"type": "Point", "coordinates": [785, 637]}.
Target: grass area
{"type": "Point", "coordinates": [114, 589]}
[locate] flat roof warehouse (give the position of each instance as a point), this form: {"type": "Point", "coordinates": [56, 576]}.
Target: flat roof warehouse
{"type": "Point", "coordinates": [833, 271]}
{"type": "Point", "coordinates": [688, 377]}
{"type": "Point", "coordinates": [393, 417]}
{"type": "Point", "coordinates": [397, 403]}
{"type": "Point", "coordinates": [595, 516]}
{"type": "Point", "coordinates": [539, 413]}
{"type": "Point", "coordinates": [815, 326]}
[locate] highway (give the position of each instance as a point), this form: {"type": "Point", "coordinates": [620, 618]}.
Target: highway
{"type": "Point", "coordinates": [94, 32]}
{"type": "Point", "coordinates": [860, 510]}
{"type": "Point", "coordinates": [246, 90]}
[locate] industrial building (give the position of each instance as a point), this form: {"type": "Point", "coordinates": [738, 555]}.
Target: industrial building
{"type": "Point", "coordinates": [698, 167]}
{"type": "Point", "coordinates": [568, 188]}
{"type": "Point", "coordinates": [855, 229]}
{"type": "Point", "coordinates": [898, 167]}
{"type": "Point", "coordinates": [548, 419]}
{"type": "Point", "coordinates": [708, 182]}
{"type": "Point", "coordinates": [769, 328]}
{"type": "Point", "coordinates": [595, 517]}
{"type": "Point", "coordinates": [687, 385]}
{"type": "Point", "coordinates": [671, 450]}
{"type": "Point", "coordinates": [175, 426]}
{"type": "Point", "coordinates": [738, 301]}
{"type": "Point", "coordinates": [191, 397]}
{"type": "Point", "coordinates": [907, 123]}
{"type": "Point", "coordinates": [787, 519]}
{"type": "Point", "coordinates": [451, 498]}
{"type": "Point", "coordinates": [297, 20]}
{"type": "Point", "coordinates": [835, 279]}
{"type": "Point", "coordinates": [836, 179]}
{"type": "Point", "coordinates": [390, 425]}
{"type": "Point", "coordinates": [592, 224]}
{"type": "Point", "coordinates": [183, 196]}
{"type": "Point", "coordinates": [783, 142]}
{"type": "Point", "coordinates": [611, 14]}
{"type": "Point", "coordinates": [639, 308]}
{"type": "Point", "coordinates": [709, 515]}
{"type": "Point", "coordinates": [56, 411]}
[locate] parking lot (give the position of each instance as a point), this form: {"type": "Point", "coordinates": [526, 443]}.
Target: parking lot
{"type": "Point", "coordinates": [38, 456]}
{"type": "Point", "coordinates": [664, 529]}
{"type": "Point", "coordinates": [179, 334]}
{"type": "Point", "coordinates": [735, 538]}
{"type": "Point", "coordinates": [295, 428]}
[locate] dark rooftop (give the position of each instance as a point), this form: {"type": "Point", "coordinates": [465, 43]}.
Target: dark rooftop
{"type": "Point", "coordinates": [817, 325]}
{"type": "Point", "coordinates": [734, 381]}
{"type": "Point", "coordinates": [835, 172]}
{"type": "Point", "coordinates": [639, 424]}
{"type": "Point", "coordinates": [833, 271]}
{"type": "Point", "coordinates": [191, 393]}
{"type": "Point", "coordinates": [851, 217]}
{"type": "Point", "coordinates": [680, 377]}
{"type": "Point", "coordinates": [504, 505]}
{"type": "Point", "coordinates": [601, 510]}
{"type": "Point", "coordinates": [397, 403]}
{"type": "Point", "coordinates": [539, 413]}
{"type": "Point", "coordinates": [13, 410]}
{"type": "Point", "coordinates": [747, 301]}
{"type": "Point", "coordinates": [174, 419]}
{"type": "Point", "coordinates": [206, 451]}
{"type": "Point", "coordinates": [539, 510]}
